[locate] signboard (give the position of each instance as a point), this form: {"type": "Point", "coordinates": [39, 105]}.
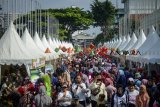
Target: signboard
{"type": "Point", "coordinates": [49, 67]}
{"type": "Point", "coordinates": [35, 70]}
{"type": "Point", "coordinates": [38, 63]}
{"type": "Point", "coordinates": [35, 74]}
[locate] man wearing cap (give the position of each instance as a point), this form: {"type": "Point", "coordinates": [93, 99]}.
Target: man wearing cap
{"type": "Point", "coordinates": [64, 97]}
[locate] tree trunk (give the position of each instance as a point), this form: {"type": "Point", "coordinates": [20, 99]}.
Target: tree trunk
{"type": "Point", "coordinates": [69, 35]}
{"type": "Point", "coordinates": [105, 32]}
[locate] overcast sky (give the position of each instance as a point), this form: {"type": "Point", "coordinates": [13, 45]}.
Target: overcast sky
{"type": "Point", "coordinates": [79, 3]}
{"type": "Point", "coordinates": [67, 3]}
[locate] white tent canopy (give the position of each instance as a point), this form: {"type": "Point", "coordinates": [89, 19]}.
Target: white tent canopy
{"type": "Point", "coordinates": [13, 51]}
{"type": "Point", "coordinates": [123, 42]}
{"type": "Point", "coordinates": [119, 43]}
{"type": "Point", "coordinates": [153, 54]}
{"type": "Point", "coordinates": [40, 45]}
{"type": "Point", "coordinates": [30, 44]}
{"type": "Point", "coordinates": [46, 45]}
{"type": "Point", "coordinates": [140, 40]}
{"type": "Point", "coordinates": [110, 46]}
{"type": "Point", "coordinates": [52, 45]}
{"type": "Point", "coordinates": [115, 42]}
{"type": "Point", "coordinates": [131, 43]}
{"type": "Point", "coordinates": [55, 43]}
{"type": "Point", "coordinates": [126, 43]}
{"type": "Point", "coordinates": [150, 41]}
{"type": "Point", "coordinates": [38, 42]}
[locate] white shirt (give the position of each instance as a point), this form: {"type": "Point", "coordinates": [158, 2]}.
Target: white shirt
{"type": "Point", "coordinates": [132, 97]}
{"type": "Point", "coordinates": [91, 70]}
{"type": "Point", "coordinates": [79, 91]}
{"type": "Point", "coordinates": [67, 97]}
{"type": "Point", "coordinates": [118, 100]}
{"type": "Point", "coordinates": [102, 91]}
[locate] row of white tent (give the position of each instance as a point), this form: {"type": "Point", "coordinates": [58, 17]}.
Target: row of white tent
{"type": "Point", "coordinates": [16, 50]}
{"type": "Point", "coordinates": [147, 47]}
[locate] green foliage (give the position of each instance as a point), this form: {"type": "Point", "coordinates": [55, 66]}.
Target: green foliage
{"type": "Point", "coordinates": [104, 15]}
{"type": "Point", "coordinates": [62, 34]}
{"type": "Point", "coordinates": [99, 38]}
{"type": "Point", "coordinates": [72, 19]}
{"type": "Point", "coordinates": [102, 39]}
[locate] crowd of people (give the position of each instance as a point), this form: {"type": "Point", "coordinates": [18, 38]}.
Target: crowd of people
{"type": "Point", "coordinates": [84, 81]}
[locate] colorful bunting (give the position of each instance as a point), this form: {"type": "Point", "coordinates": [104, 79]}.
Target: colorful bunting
{"type": "Point", "coordinates": [91, 46]}
{"type": "Point", "coordinates": [47, 50]}
{"type": "Point", "coordinates": [56, 50]}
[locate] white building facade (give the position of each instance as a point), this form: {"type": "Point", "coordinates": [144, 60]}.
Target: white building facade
{"type": "Point", "coordinates": [136, 12]}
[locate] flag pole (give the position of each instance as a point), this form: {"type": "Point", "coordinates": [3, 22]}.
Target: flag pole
{"type": "Point", "coordinates": [36, 15]}
{"type": "Point", "coordinates": [40, 21]}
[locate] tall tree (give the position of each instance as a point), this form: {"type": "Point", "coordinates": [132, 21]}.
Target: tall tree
{"type": "Point", "coordinates": [103, 14]}
{"type": "Point", "coordinates": [72, 19]}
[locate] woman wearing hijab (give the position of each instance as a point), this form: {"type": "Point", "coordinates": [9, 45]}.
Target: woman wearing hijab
{"type": "Point", "coordinates": [121, 79]}
{"type": "Point", "coordinates": [142, 100]}
{"type": "Point", "coordinates": [110, 88]}
{"type": "Point", "coordinates": [119, 99]}
{"type": "Point", "coordinates": [42, 99]}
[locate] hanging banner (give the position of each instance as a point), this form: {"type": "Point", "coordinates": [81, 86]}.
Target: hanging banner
{"type": "Point", "coordinates": [49, 68]}
{"type": "Point", "coordinates": [35, 74]}
{"type": "Point", "coordinates": [42, 62]}
{"type": "Point", "coordinates": [38, 63]}
{"type": "Point", "coordinates": [34, 63]}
